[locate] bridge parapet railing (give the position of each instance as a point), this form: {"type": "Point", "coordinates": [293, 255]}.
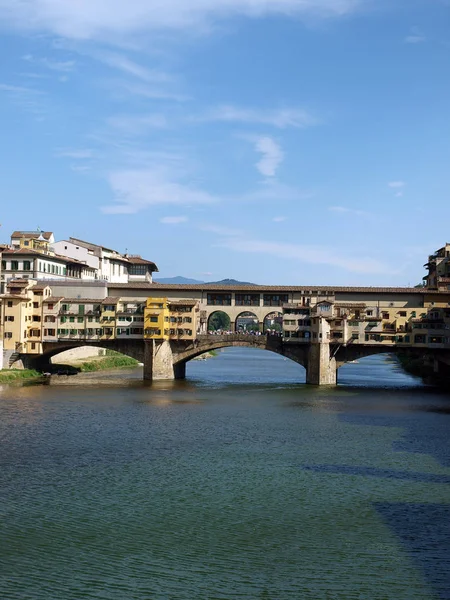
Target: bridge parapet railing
{"type": "Point", "coordinates": [232, 337]}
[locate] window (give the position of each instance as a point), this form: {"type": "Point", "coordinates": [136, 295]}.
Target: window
{"type": "Point", "coordinates": [65, 307]}
{"type": "Point", "coordinates": [247, 299]}
{"type": "Point", "coordinates": [80, 319]}
{"type": "Point", "coordinates": [402, 313]}
{"type": "Point", "coordinates": [369, 313]}
{"type": "Point", "coordinates": [324, 307]}
{"type": "Point", "coordinates": [10, 303]}
{"type": "Point", "coordinates": [9, 318]}
{"type": "Point", "coordinates": [35, 304]}
{"type": "Point", "coordinates": [8, 335]}
{"type": "Point", "coordinates": [219, 299]}
{"type": "Point", "coordinates": [3, 265]}
{"type": "Point", "coordinates": [81, 309]}
{"type": "Point", "coordinates": [154, 319]}
{"type": "Point", "coordinates": [26, 265]}
{"type": "Point", "coordinates": [353, 323]}
{"type": "Point", "coordinates": [50, 306]}
{"type": "Point", "coordinates": [275, 299]}
{"type": "Point", "coordinates": [14, 265]}
{"type": "Point", "coordinates": [72, 319]}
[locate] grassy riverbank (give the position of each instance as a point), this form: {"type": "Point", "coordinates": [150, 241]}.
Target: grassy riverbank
{"type": "Point", "coordinates": [18, 375]}
{"type": "Point", "coordinates": [107, 362]}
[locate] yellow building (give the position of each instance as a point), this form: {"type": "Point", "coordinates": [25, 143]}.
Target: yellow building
{"type": "Point", "coordinates": [108, 318]}
{"type": "Point", "coordinates": [166, 319]}
{"type": "Point", "coordinates": [22, 312]}
{"type": "Point", "coordinates": [156, 317]}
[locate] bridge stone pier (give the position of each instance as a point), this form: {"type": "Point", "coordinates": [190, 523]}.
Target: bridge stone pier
{"type": "Point", "coordinates": [167, 360]}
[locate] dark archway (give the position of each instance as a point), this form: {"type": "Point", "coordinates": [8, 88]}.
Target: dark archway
{"type": "Point", "coordinates": [273, 322]}
{"type": "Point", "coordinates": [247, 322]}
{"type": "Point", "coordinates": [219, 321]}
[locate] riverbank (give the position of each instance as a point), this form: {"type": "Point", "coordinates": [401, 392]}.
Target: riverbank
{"type": "Point", "coordinates": [18, 375]}
{"type": "Point", "coordinates": [102, 363]}
{"type": "Point", "coordinates": [417, 367]}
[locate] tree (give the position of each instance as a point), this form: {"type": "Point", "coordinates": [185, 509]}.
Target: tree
{"type": "Point", "coordinates": [219, 320]}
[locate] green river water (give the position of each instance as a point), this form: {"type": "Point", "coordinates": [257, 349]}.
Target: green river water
{"type": "Point", "coordinates": [240, 482]}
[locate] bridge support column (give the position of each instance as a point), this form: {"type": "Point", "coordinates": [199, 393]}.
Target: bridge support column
{"type": "Point", "coordinates": [321, 369]}
{"type": "Point", "coordinates": [158, 362]}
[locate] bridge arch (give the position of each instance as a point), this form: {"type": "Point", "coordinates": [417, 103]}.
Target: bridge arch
{"type": "Point", "coordinates": [269, 343]}
{"type": "Point", "coordinates": [132, 348]}
{"type": "Point", "coordinates": [247, 321]}
{"type": "Point", "coordinates": [219, 320]}
{"type": "Point", "coordinates": [273, 320]}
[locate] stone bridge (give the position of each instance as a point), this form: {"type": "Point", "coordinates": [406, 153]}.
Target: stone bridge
{"type": "Point", "coordinates": [167, 359]}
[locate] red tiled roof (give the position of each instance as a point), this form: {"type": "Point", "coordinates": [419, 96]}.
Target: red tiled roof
{"type": "Point", "coordinates": [138, 260]}
{"type": "Point", "coordinates": [214, 287]}
{"type": "Point", "coordinates": [110, 300]}
{"type": "Point", "coordinates": [32, 235]}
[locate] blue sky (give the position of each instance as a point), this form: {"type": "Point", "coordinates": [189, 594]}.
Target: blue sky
{"type": "Point", "coordinates": [274, 141]}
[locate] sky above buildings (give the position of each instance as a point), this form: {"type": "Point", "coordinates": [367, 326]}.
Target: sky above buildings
{"type": "Point", "coordinates": [273, 141]}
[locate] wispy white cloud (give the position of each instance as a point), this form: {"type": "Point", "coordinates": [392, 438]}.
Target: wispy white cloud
{"type": "Point", "coordinates": [221, 230]}
{"type": "Point", "coordinates": [272, 191]}
{"type": "Point", "coordinates": [29, 99]}
{"type": "Point", "coordinates": [114, 19]}
{"type": "Point", "coordinates": [306, 254]}
{"type": "Point", "coordinates": [281, 118]}
{"type": "Point", "coordinates": [415, 36]}
{"type": "Point", "coordinates": [136, 190]}
{"type": "Point", "coordinates": [138, 124]}
{"type": "Point", "coordinates": [77, 153]}
{"type": "Point", "coordinates": [272, 156]}
{"type": "Point", "coordinates": [123, 89]}
{"type": "Point", "coordinates": [17, 89]}
{"type": "Point", "coordinates": [130, 67]}
{"type": "Point", "coordinates": [350, 211]}
{"type": "Point", "coordinates": [279, 219]}
{"type": "Point", "coordinates": [80, 168]}
{"type": "Point", "coordinates": [63, 66]}
{"type": "Point", "coordinates": [173, 220]}
{"type": "Point", "coordinates": [398, 186]}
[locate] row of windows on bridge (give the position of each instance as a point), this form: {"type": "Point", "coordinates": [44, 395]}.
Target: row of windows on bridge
{"type": "Point", "coordinates": [247, 299]}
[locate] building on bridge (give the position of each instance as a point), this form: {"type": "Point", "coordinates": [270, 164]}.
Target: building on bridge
{"type": "Point", "coordinates": [438, 266]}
{"type": "Point", "coordinates": [320, 326]}
{"type": "Point", "coordinates": [167, 319]}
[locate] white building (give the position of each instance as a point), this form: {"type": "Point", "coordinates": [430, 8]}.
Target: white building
{"type": "Point", "coordinates": [112, 266]}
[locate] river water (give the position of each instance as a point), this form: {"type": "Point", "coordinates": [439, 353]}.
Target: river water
{"type": "Point", "coordinates": [240, 482]}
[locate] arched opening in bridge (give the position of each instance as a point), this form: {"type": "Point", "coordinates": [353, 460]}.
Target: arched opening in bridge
{"type": "Point", "coordinates": [273, 323]}
{"type": "Point", "coordinates": [246, 366]}
{"type": "Point", "coordinates": [247, 322]}
{"type": "Point", "coordinates": [219, 322]}
{"type": "Point", "coordinates": [378, 369]}
{"type": "Point", "coordinates": [78, 358]}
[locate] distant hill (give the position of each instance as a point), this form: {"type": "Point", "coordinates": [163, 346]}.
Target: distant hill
{"type": "Point", "coordinates": [231, 282]}
{"type": "Point", "coordinates": [185, 280]}
{"type": "Point", "coordinates": [178, 280]}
